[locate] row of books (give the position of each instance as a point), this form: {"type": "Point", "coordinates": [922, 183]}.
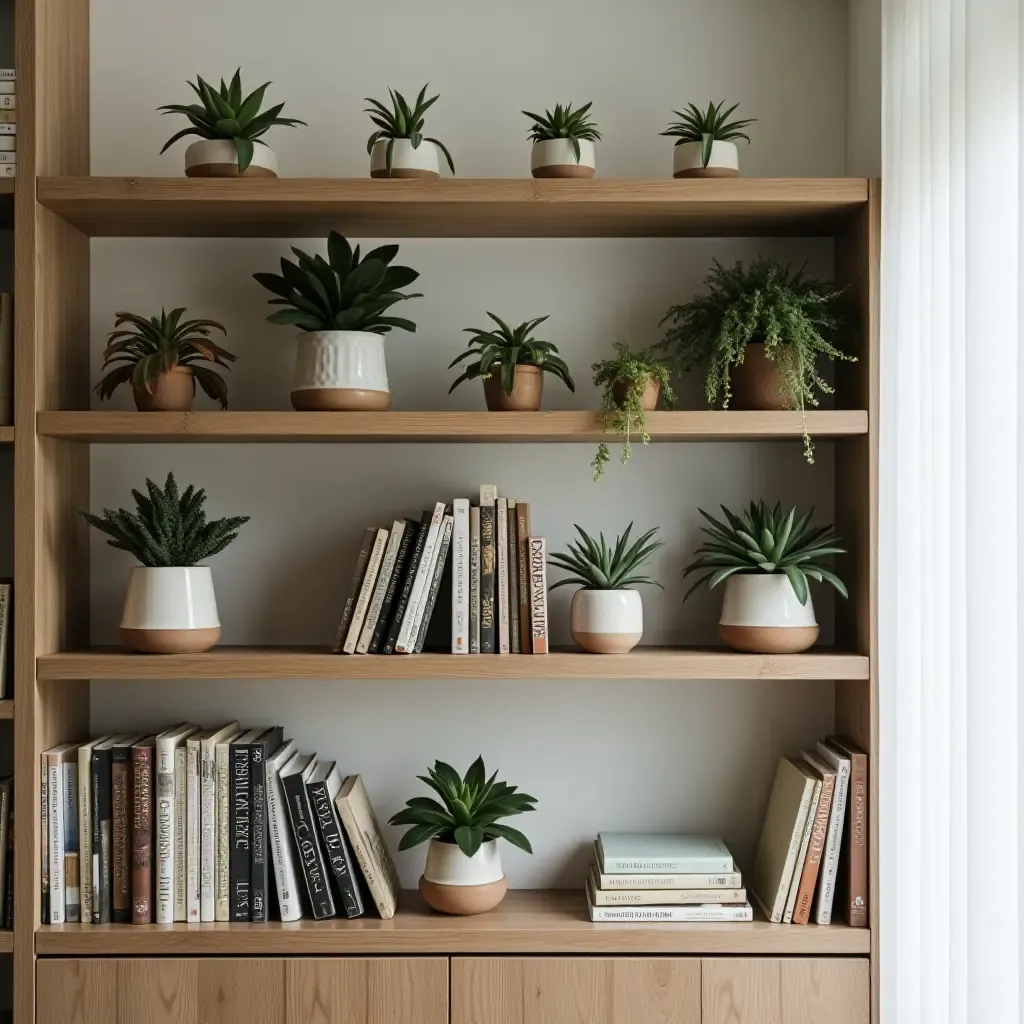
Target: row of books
{"type": "Point", "coordinates": [8, 124]}
{"type": "Point", "coordinates": [481, 554]}
{"type": "Point", "coordinates": [206, 825]}
{"type": "Point", "coordinates": [7, 853]}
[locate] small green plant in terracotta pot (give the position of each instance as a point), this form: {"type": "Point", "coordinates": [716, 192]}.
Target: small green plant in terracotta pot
{"type": "Point", "coordinates": [398, 148]}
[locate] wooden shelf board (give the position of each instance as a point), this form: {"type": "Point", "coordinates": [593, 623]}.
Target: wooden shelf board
{"type": "Point", "coordinates": [412, 427]}
{"type": "Point", "coordinates": [317, 663]}
{"type": "Point", "coordinates": [6, 186]}
{"type": "Point", "coordinates": [453, 207]}
{"type": "Point", "coordinates": [6, 435]}
{"type": "Point", "coordinates": [6, 711]}
{"type": "Point", "coordinates": [6, 941]}
{"type": "Point", "coordinates": [528, 921]}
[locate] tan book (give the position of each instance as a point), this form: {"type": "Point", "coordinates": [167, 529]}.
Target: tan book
{"type": "Point", "coordinates": [661, 897]}
{"type": "Point", "coordinates": [355, 585]}
{"type": "Point", "coordinates": [780, 838]}
{"type": "Point", "coordinates": [364, 834]}
{"type": "Point", "coordinates": [805, 842]}
{"type": "Point", "coordinates": [807, 880]}
{"type": "Point", "coordinates": [366, 589]}
{"type": "Point", "coordinates": [538, 596]}
{"type": "Point", "coordinates": [853, 855]}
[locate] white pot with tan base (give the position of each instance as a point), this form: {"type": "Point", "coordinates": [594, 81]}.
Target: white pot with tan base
{"type": "Point", "coordinates": [218, 158]}
{"type": "Point", "coordinates": [606, 621]}
{"type": "Point", "coordinates": [762, 615]}
{"type": "Point", "coordinates": [687, 161]}
{"type": "Point", "coordinates": [170, 610]}
{"type": "Point", "coordinates": [407, 161]}
{"type": "Point", "coordinates": [340, 371]}
{"type": "Point", "coordinates": [555, 158]}
{"type": "Point", "coordinates": [456, 884]}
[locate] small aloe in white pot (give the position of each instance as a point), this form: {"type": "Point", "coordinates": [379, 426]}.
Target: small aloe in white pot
{"type": "Point", "coordinates": [706, 141]}
{"type": "Point", "coordinates": [398, 148]}
{"type": "Point", "coordinates": [563, 142]}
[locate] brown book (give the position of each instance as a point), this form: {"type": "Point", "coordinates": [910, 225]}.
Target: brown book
{"type": "Point", "coordinates": [538, 596]}
{"type": "Point", "coordinates": [142, 831]}
{"type": "Point", "coordinates": [121, 851]}
{"type": "Point", "coordinates": [523, 541]}
{"type": "Point", "coordinates": [816, 847]}
{"type": "Point", "coordinates": [853, 856]}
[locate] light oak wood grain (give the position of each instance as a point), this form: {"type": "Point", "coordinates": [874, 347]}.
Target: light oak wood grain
{"type": "Point", "coordinates": [6, 435]}
{"type": "Point", "coordinates": [240, 991]}
{"type": "Point", "coordinates": [6, 941]}
{"type": "Point", "coordinates": [75, 992]}
{"type": "Point", "coordinates": [157, 991]}
{"type": "Point", "coordinates": [6, 709]}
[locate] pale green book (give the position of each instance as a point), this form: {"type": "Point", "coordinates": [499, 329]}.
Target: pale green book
{"type": "Point", "coordinates": [677, 853]}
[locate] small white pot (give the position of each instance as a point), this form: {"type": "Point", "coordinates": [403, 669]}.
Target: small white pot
{"type": "Point", "coordinates": [606, 621]}
{"type": "Point", "coordinates": [555, 158]}
{"type": "Point", "coordinates": [406, 162]}
{"type": "Point", "coordinates": [170, 610]}
{"type": "Point", "coordinates": [340, 370]}
{"type": "Point", "coordinates": [724, 162]}
{"type": "Point", "coordinates": [761, 614]}
{"type": "Point", "coordinates": [456, 884]}
{"type": "Point", "coordinates": [218, 158]}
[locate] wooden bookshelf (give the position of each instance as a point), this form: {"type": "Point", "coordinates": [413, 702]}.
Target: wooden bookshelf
{"type": "Point", "coordinates": [6, 941]}
{"type": "Point", "coordinates": [6, 710]}
{"type": "Point", "coordinates": [6, 435]}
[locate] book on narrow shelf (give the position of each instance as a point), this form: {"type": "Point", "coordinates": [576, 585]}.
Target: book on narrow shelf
{"type": "Point", "coordinates": [367, 842]}
{"type": "Point", "coordinates": [69, 797]}
{"type": "Point", "coordinates": [460, 576]}
{"type": "Point", "coordinates": [474, 579]}
{"type": "Point", "coordinates": [805, 881]}
{"type": "Point", "coordinates": [85, 811]}
{"type": "Point", "coordinates": [307, 840]}
{"type": "Point", "coordinates": [282, 843]}
{"type": "Point", "coordinates": [661, 897]}
{"type": "Point", "coordinates": [7, 142]}
{"type": "Point", "coordinates": [209, 816]}
{"type": "Point", "coordinates": [102, 829]}
{"type": "Point", "coordinates": [384, 575]}
{"type": "Point", "coordinates": [122, 811]}
{"type": "Point", "coordinates": [442, 573]}
{"type": "Point", "coordinates": [8, 102]}
{"type": "Point", "coordinates": [56, 758]}
{"type": "Point", "coordinates": [8, 128]}
{"type": "Point", "coordinates": [366, 590]}
{"type": "Point", "coordinates": [222, 862]}
{"type": "Point", "coordinates": [8, 116]}
{"type": "Point", "coordinates": [644, 882]}
{"type": "Point", "coordinates": [514, 642]}
{"type": "Point", "coordinates": [837, 818]}
{"type": "Point", "coordinates": [143, 788]}
{"type": "Point", "coordinates": [674, 913]}
{"type": "Point", "coordinates": [7, 73]}
{"type": "Point", "coordinates": [180, 835]}
{"type": "Point", "coordinates": [404, 590]}
{"type": "Point", "coordinates": [501, 573]}
{"type": "Point", "coordinates": [323, 787]}
{"type": "Point", "coordinates": [6, 791]}
{"type": "Point", "coordinates": [6, 585]}
{"type": "Point", "coordinates": [259, 864]}
{"type": "Point", "coordinates": [167, 744]}
{"type": "Point", "coordinates": [852, 889]}
{"type": "Point", "coordinates": [355, 584]}
{"type": "Point", "coordinates": [523, 563]}
{"type": "Point", "coordinates": [805, 840]}
{"type": "Point", "coordinates": [193, 823]}
{"type": "Point", "coordinates": [240, 823]}
{"type": "Point", "coordinates": [410, 529]}
{"type": "Point", "coordinates": [7, 87]}
{"type": "Point", "coordinates": [430, 576]}
{"type": "Point", "coordinates": [44, 840]}
{"type": "Point", "coordinates": [405, 642]}
{"type": "Point", "coordinates": [488, 570]}
{"type": "Point", "coordinates": [663, 853]}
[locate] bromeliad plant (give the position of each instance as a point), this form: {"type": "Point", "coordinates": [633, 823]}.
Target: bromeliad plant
{"type": "Point", "coordinates": [769, 540]}
{"type": "Point", "coordinates": [564, 123]}
{"type": "Point", "coordinates": [468, 813]}
{"type": "Point", "coordinates": [596, 566]}
{"type": "Point", "coordinates": [226, 114]}
{"type": "Point", "coordinates": [167, 529]}
{"type": "Point", "coordinates": [402, 122]}
{"type": "Point", "coordinates": [707, 127]}
{"type": "Point", "coordinates": [147, 348]}
{"type": "Point", "coordinates": [341, 293]}
{"type": "Point", "coordinates": [623, 380]}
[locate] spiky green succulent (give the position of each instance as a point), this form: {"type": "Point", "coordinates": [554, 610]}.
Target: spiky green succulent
{"type": "Point", "coordinates": [469, 811]}
{"type": "Point", "coordinates": [564, 123]}
{"type": "Point", "coordinates": [225, 113]}
{"type": "Point", "coordinates": [595, 565]}
{"type": "Point", "coordinates": [402, 122]}
{"type": "Point", "coordinates": [707, 127]}
{"type": "Point", "coordinates": [769, 540]}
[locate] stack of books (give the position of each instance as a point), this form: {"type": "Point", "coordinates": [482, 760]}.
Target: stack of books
{"type": "Point", "coordinates": [639, 876]}
{"type": "Point", "coordinates": [465, 578]}
{"type": "Point", "coordinates": [203, 825]}
{"type": "Point", "coordinates": [8, 123]}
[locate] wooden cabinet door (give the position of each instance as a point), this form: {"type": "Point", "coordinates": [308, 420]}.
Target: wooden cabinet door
{"type": "Point", "coordinates": [786, 991]}
{"type": "Point", "coordinates": [575, 990]}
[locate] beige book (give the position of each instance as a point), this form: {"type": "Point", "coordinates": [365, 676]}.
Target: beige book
{"type": "Point", "coordinates": [661, 897]}
{"type": "Point", "coordinates": [801, 857]}
{"type": "Point", "coordinates": [366, 592]}
{"type": "Point", "coordinates": [364, 833]}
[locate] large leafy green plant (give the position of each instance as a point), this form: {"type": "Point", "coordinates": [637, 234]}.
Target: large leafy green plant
{"type": "Point", "coordinates": [341, 293]}
{"type": "Point", "coordinates": [707, 127]}
{"type": "Point", "coordinates": [798, 319]}
{"type": "Point", "coordinates": [225, 113]}
{"type": "Point", "coordinates": [564, 123]}
{"type": "Point", "coordinates": [769, 540]}
{"type": "Point", "coordinates": [402, 122]}
{"type": "Point", "coordinates": [156, 345]}
{"type": "Point", "coordinates": [469, 811]}
{"type": "Point", "coordinates": [506, 348]}
{"type": "Point", "coordinates": [167, 529]}
{"type": "Point", "coordinates": [595, 565]}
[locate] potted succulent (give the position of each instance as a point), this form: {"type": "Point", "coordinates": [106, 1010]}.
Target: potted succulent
{"type": "Point", "coordinates": [706, 142]}
{"type": "Point", "coordinates": [463, 872]}
{"type": "Point", "coordinates": [398, 148]}
{"type": "Point", "coordinates": [762, 329]}
{"type": "Point", "coordinates": [162, 357]}
{"type": "Point", "coordinates": [339, 305]}
{"type": "Point", "coordinates": [512, 364]}
{"type": "Point", "coordinates": [169, 607]}
{"type": "Point", "coordinates": [606, 615]}
{"type": "Point", "coordinates": [231, 129]}
{"type": "Point", "coordinates": [563, 143]}
{"type": "Point", "coordinates": [631, 383]}
{"type": "Point", "coordinates": [766, 557]}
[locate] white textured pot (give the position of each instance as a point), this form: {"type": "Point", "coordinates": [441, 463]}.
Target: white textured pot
{"type": "Point", "coordinates": [724, 162]}
{"type": "Point", "coordinates": [606, 621]}
{"type": "Point", "coordinates": [218, 158]}
{"type": "Point", "coordinates": [406, 161]}
{"type": "Point", "coordinates": [761, 614]}
{"type": "Point", "coordinates": [555, 158]}
{"type": "Point", "coordinates": [170, 610]}
{"type": "Point", "coordinates": [340, 370]}
{"type": "Point", "coordinates": [456, 884]}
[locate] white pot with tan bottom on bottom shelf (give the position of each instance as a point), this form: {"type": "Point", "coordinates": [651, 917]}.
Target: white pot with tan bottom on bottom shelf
{"type": "Point", "coordinates": [606, 621]}
{"type": "Point", "coordinates": [170, 610]}
{"type": "Point", "coordinates": [761, 614]}
{"type": "Point", "coordinates": [453, 883]}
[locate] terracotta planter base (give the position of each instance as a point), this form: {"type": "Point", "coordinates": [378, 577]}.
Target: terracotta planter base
{"type": "Point", "coordinates": [463, 899]}
{"type": "Point", "coordinates": [607, 643]}
{"type": "Point", "coordinates": [527, 391]}
{"type": "Point", "coordinates": [707, 172]}
{"type": "Point", "coordinates": [228, 171]}
{"type": "Point", "coordinates": [405, 172]}
{"type": "Point", "coordinates": [174, 392]}
{"type": "Point", "coordinates": [340, 400]}
{"type": "Point", "coordinates": [170, 641]}
{"type": "Point", "coordinates": [756, 382]}
{"type": "Point", "coordinates": [563, 171]}
{"type": "Point", "coordinates": [769, 639]}
{"type": "Point", "coordinates": [648, 400]}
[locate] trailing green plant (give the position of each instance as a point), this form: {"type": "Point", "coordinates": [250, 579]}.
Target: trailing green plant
{"type": "Point", "coordinates": [597, 566]}
{"type": "Point", "coordinates": [402, 122]}
{"type": "Point", "coordinates": [225, 113]}
{"type": "Point", "coordinates": [623, 380]}
{"type": "Point", "coordinates": [341, 293]}
{"type": "Point", "coordinates": [564, 123]}
{"type": "Point", "coordinates": [468, 813]}
{"type": "Point", "coordinates": [167, 529]}
{"type": "Point", "coordinates": [798, 319]}
{"type": "Point", "coordinates": [766, 540]}
{"type": "Point", "coordinates": [504, 349]}
{"type": "Point", "coordinates": [707, 127]}
{"type": "Point", "coordinates": [150, 347]}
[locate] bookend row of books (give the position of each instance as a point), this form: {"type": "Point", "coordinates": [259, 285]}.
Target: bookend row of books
{"type": "Point", "coordinates": [8, 123]}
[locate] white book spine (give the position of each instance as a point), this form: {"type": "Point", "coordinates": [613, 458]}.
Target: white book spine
{"type": "Point", "coordinates": [474, 579]}
{"type": "Point", "coordinates": [365, 592]}
{"type": "Point", "coordinates": [180, 832]}
{"type": "Point", "coordinates": [164, 860]}
{"type": "Point", "coordinates": [705, 913]}
{"type": "Point", "coordinates": [208, 837]}
{"type": "Point", "coordinates": [729, 880]}
{"type": "Point", "coordinates": [8, 170]}
{"type": "Point", "coordinates": [7, 73]}
{"type": "Point", "coordinates": [193, 829]}
{"type": "Point", "coordinates": [222, 899]}
{"type": "Point", "coordinates": [501, 582]}
{"type": "Point", "coordinates": [8, 103]}
{"type": "Point", "coordinates": [56, 826]}
{"type": "Point", "coordinates": [460, 576]}
{"type": "Point", "coordinates": [8, 157]}
{"type": "Point", "coordinates": [6, 86]}
{"type": "Point", "coordinates": [8, 117]}
{"type": "Point", "coordinates": [285, 874]}
{"type": "Point", "coordinates": [801, 857]}
{"type": "Point", "coordinates": [669, 897]}
{"type": "Point", "coordinates": [69, 796]}
{"type": "Point", "coordinates": [7, 142]}
{"type": "Point", "coordinates": [830, 858]}
{"type": "Point", "coordinates": [387, 567]}
{"type": "Point", "coordinates": [539, 640]}
{"type": "Point", "coordinates": [407, 634]}
{"type": "Point", "coordinates": [669, 865]}
{"type": "Point", "coordinates": [778, 906]}
{"type": "Point", "coordinates": [8, 128]}
{"type": "Point", "coordinates": [421, 610]}
{"type": "Point", "coordinates": [85, 831]}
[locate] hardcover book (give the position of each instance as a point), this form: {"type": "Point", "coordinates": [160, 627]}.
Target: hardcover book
{"type": "Point", "coordinates": [662, 897]}
{"type": "Point", "coordinates": [282, 844]}
{"type": "Point", "coordinates": [193, 824]}
{"type": "Point", "coordinates": [806, 881]}
{"type": "Point", "coordinates": [259, 872]}
{"type": "Point", "coordinates": [706, 912]}
{"type": "Point", "coordinates": [44, 840]}
{"type": "Point", "coordinates": [365, 547]}
{"type": "Point", "coordinates": [538, 596]}
{"type": "Point", "coordinates": [323, 788]}
{"type": "Point", "coordinates": [85, 826]}
{"type": "Point", "coordinates": [430, 564]}
{"type": "Point", "coordinates": [240, 823]}
{"type": "Point", "coordinates": [307, 841]}
{"type": "Point", "coordinates": [366, 590]}
{"type": "Point", "coordinates": [853, 854]}
{"type": "Point", "coordinates": [405, 587]}
{"type": "Point", "coordinates": [488, 571]}
{"type": "Point", "coordinates": [121, 770]}
{"type": "Point", "coordinates": [405, 643]}
{"type": "Point", "coordinates": [805, 841]}
{"type": "Point", "coordinates": [441, 566]}
{"type": "Point", "coordinates": [460, 576]}
{"type": "Point", "coordinates": [6, 848]}
{"type": "Point", "coordinates": [501, 580]}
{"type": "Point", "coordinates": [6, 587]}
{"type": "Point", "coordinates": [69, 795]}
{"type": "Point", "coordinates": [167, 743]}
{"type": "Point", "coordinates": [102, 830]}
{"type": "Point", "coordinates": [222, 862]}
{"type": "Point", "coordinates": [367, 841]}
{"type": "Point", "coordinates": [474, 579]}
{"type": "Point", "coordinates": [380, 588]}
{"type": "Point", "coordinates": [665, 853]}
{"type": "Point", "coordinates": [210, 818]}
{"type": "Point", "coordinates": [398, 573]}
{"type": "Point", "coordinates": [56, 758]}
{"type": "Point", "coordinates": [142, 830]}
{"type": "Point", "coordinates": [514, 643]}
{"type": "Point", "coordinates": [180, 824]}
{"type": "Point", "coordinates": [837, 817]}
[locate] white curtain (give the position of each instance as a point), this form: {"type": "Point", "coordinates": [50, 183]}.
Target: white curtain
{"type": "Point", "coordinates": [952, 512]}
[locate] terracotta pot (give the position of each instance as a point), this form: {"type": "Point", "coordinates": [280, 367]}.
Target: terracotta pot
{"type": "Point", "coordinates": [757, 383]}
{"type": "Point", "coordinates": [761, 615]}
{"type": "Point", "coordinates": [648, 400]}
{"type": "Point", "coordinates": [456, 884]}
{"type": "Point", "coordinates": [173, 392]}
{"type": "Point", "coordinates": [526, 391]}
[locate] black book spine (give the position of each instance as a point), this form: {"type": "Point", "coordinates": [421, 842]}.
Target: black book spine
{"type": "Point", "coordinates": [488, 605]}
{"type": "Point", "coordinates": [405, 547]}
{"type": "Point", "coordinates": [306, 844]}
{"type": "Point", "coordinates": [263, 748]}
{"type": "Point", "coordinates": [395, 625]}
{"type": "Point", "coordinates": [102, 838]}
{"type": "Point", "coordinates": [335, 848]}
{"type": "Point", "coordinates": [240, 831]}
{"type": "Point", "coordinates": [444, 539]}
{"type": "Point", "coordinates": [44, 801]}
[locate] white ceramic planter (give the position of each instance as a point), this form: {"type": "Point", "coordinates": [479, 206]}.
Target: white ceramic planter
{"type": "Point", "coordinates": [406, 161]}
{"type": "Point", "coordinates": [606, 621]}
{"type": "Point", "coordinates": [456, 884]}
{"type": "Point", "coordinates": [555, 158]}
{"type": "Point", "coordinates": [340, 370]}
{"type": "Point", "coordinates": [170, 610]}
{"type": "Point", "coordinates": [724, 162]}
{"type": "Point", "coordinates": [761, 614]}
{"type": "Point", "coordinates": [217, 158]}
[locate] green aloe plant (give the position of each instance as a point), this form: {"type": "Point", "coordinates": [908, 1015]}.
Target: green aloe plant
{"type": "Point", "coordinates": [595, 565]}
{"type": "Point", "coordinates": [707, 127]}
{"type": "Point", "coordinates": [402, 122]}
{"type": "Point", "coordinates": [564, 123]}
